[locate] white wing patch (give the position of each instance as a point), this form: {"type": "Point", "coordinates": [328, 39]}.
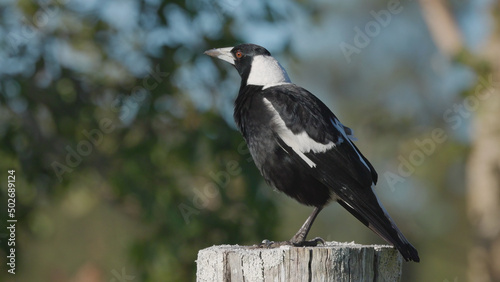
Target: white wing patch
{"type": "Point", "coordinates": [341, 128]}
{"type": "Point", "coordinates": [300, 143]}
{"type": "Point", "coordinates": [266, 71]}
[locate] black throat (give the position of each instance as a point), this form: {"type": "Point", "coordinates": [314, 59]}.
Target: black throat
{"type": "Point", "coordinates": [243, 105]}
{"type": "Point", "coordinates": [244, 66]}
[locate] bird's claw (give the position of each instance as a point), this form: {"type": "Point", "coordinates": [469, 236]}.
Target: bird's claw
{"type": "Point", "coordinates": [310, 243]}
{"type": "Point", "coordinates": [266, 243]}
{"type": "Point", "coordinates": [271, 244]}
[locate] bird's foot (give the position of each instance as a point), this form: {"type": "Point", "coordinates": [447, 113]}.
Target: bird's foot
{"type": "Point", "coordinates": [304, 243]}
{"type": "Point", "coordinates": [271, 244]}
{"type": "Point", "coordinates": [308, 243]}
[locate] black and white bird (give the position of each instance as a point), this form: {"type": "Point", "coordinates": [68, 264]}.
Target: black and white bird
{"type": "Point", "coordinates": [301, 148]}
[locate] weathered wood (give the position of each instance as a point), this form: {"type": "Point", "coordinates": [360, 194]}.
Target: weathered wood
{"type": "Point", "coordinates": [332, 262]}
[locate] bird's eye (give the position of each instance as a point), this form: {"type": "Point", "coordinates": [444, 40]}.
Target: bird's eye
{"type": "Point", "coordinates": [239, 54]}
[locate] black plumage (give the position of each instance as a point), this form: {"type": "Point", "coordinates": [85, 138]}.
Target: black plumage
{"type": "Point", "coordinates": [301, 148]}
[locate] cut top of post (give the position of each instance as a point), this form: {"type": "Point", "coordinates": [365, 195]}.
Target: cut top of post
{"type": "Point", "coordinates": [332, 262]}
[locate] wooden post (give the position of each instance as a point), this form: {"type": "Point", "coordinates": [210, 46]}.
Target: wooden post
{"type": "Point", "coordinates": [332, 262]}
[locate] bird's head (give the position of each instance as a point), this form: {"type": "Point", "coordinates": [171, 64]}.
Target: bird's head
{"type": "Point", "coordinates": [254, 63]}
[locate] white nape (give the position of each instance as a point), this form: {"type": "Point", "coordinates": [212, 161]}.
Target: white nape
{"type": "Point", "coordinates": [266, 71]}
{"type": "Point", "coordinates": [300, 143]}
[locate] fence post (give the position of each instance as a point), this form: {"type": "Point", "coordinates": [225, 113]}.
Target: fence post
{"type": "Point", "coordinates": [332, 262]}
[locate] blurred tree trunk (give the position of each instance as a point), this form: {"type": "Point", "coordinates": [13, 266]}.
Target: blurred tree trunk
{"type": "Point", "coordinates": [442, 26]}
{"type": "Point", "coordinates": [483, 173]}
{"type": "Point", "coordinates": [483, 167]}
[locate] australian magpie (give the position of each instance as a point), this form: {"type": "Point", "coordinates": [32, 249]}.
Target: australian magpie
{"type": "Point", "coordinates": [301, 148]}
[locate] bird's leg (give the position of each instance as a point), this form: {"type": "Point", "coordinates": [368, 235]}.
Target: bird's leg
{"type": "Point", "coordinates": [300, 238]}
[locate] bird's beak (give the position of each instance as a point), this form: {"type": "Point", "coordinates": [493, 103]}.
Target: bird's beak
{"type": "Point", "coordinates": [221, 53]}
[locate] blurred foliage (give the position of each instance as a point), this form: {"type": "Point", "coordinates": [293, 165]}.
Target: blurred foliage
{"type": "Point", "coordinates": [126, 156]}
{"type": "Point", "coordinates": [96, 109]}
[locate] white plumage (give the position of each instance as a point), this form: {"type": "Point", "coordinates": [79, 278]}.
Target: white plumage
{"type": "Point", "coordinates": [266, 71]}
{"type": "Point", "coordinates": [300, 143]}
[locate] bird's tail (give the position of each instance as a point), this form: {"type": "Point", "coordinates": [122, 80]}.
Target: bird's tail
{"type": "Point", "coordinates": [378, 220]}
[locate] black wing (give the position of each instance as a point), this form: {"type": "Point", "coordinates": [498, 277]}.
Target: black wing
{"type": "Point", "coordinates": [342, 168]}
{"type": "Point", "coordinates": [301, 111]}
